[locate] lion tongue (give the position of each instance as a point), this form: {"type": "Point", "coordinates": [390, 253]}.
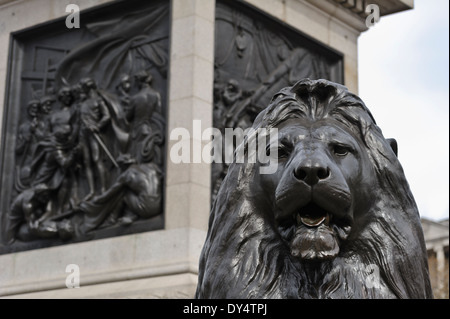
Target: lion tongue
{"type": "Point", "coordinates": [312, 221]}
{"type": "Point", "coordinates": [313, 216]}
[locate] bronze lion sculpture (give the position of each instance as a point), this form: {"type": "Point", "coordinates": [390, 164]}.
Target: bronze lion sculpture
{"type": "Point", "coordinates": [335, 220]}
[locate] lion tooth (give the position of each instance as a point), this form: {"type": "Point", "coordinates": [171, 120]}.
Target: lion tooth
{"type": "Point", "coordinates": [328, 218]}
{"type": "Point", "coordinates": [299, 219]}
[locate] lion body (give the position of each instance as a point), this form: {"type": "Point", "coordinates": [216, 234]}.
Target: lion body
{"type": "Point", "coordinates": [336, 220]}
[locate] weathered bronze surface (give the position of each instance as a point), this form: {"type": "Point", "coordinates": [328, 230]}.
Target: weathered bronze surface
{"type": "Point", "coordinates": [335, 220]}
{"type": "Point", "coordinates": [84, 127]}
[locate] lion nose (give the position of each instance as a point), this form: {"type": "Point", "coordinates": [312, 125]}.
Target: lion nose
{"type": "Point", "coordinates": [311, 172]}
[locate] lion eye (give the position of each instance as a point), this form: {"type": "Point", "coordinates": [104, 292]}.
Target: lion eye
{"type": "Point", "coordinates": [282, 151]}
{"type": "Point", "coordinates": [341, 150]}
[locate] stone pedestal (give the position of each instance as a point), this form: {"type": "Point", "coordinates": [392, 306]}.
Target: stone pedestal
{"type": "Point", "coordinates": [161, 263]}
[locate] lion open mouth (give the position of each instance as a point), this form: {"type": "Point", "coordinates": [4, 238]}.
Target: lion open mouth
{"type": "Point", "coordinates": [313, 216]}
{"type": "Point", "coordinates": [317, 236]}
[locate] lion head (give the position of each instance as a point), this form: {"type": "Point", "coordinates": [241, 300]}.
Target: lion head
{"type": "Point", "coordinates": [336, 220]}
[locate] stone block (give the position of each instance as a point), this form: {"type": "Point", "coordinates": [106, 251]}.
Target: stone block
{"type": "Point", "coordinates": [202, 8]}
{"type": "Point", "coordinates": [187, 205]}
{"type": "Point", "coordinates": [178, 286]}
{"type": "Point", "coordinates": [144, 255]}
{"type": "Point", "coordinates": [307, 19]}
{"type": "Point", "coordinates": [343, 38]}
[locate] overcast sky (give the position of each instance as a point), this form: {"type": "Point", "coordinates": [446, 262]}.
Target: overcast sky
{"type": "Point", "coordinates": [404, 81]}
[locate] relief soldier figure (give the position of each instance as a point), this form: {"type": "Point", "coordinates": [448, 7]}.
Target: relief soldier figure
{"type": "Point", "coordinates": [136, 193]}
{"type": "Point", "coordinates": [26, 210]}
{"type": "Point", "coordinates": [64, 125]}
{"type": "Point", "coordinates": [29, 134]}
{"type": "Point", "coordinates": [123, 89]}
{"type": "Point", "coordinates": [46, 103]}
{"type": "Point", "coordinates": [144, 115]}
{"type": "Point", "coordinates": [94, 116]}
{"type": "Point", "coordinates": [27, 218]}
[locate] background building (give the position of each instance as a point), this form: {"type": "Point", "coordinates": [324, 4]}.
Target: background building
{"type": "Point", "coordinates": [436, 240]}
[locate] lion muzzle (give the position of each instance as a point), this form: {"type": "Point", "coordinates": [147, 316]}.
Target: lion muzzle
{"type": "Point", "coordinates": [316, 236]}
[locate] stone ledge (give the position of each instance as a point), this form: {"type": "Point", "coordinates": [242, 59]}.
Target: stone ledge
{"type": "Point", "coordinates": [145, 255]}
{"type": "Point", "coordinates": [178, 286]}
{"type": "Point", "coordinates": [386, 6]}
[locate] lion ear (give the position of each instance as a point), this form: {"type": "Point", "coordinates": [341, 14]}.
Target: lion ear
{"type": "Point", "coordinates": [393, 143]}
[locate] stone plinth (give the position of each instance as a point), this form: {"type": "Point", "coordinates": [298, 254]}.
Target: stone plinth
{"type": "Point", "coordinates": [161, 263]}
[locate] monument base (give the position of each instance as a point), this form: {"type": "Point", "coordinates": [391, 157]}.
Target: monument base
{"type": "Point", "coordinates": [158, 264]}
{"type": "Point", "coordinates": [178, 286]}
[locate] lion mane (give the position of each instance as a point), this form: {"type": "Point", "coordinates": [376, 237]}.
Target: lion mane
{"type": "Point", "coordinates": [246, 255]}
